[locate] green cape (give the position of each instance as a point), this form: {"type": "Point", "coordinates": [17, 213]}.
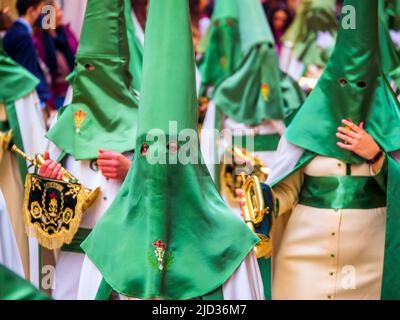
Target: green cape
{"type": "Point", "coordinates": [389, 56]}
{"type": "Point", "coordinates": [168, 233]}
{"type": "Point", "coordinates": [352, 86]}
{"type": "Point", "coordinates": [257, 90]}
{"type": "Point", "coordinates": [12, 287]}
{"type": "Point", "coordinates": [313, 16]}
{"type": "Point", "coordinates": [15, 81]}
{"type": "Point", "coordinates": [103, 112]}
{"type": "Point", "coordinates": [221, 52]}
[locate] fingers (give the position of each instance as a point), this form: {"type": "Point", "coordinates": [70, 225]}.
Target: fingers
{"type": "Point", "coordinates": [345, 138]}
{"type": "Point", "coordinates": [46, 155]}
{"type": "Point", "coordinates": [348, 132]}
{"type": "Point", "coordinates": [108, 155]}
{"type": "Point", "coordinates": [56, 172]}
{"type": "Point", "coordinates": [107, 163]}
{"type": "Point", "coordinates": [352, 126]}
{"type": "Point", "coordinates": [345, 146]}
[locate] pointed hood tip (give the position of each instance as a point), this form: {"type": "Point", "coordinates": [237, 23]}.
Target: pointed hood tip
{"type": "Point", "coordinates": [168, 86]}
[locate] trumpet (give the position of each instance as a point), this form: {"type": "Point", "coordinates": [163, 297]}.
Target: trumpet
{"type": "Point", "coordinates": [254, 211]}
{"type": "Point", "coordinates": [66, 176]}
{"type": "Point", "coordinates": [241, 156]}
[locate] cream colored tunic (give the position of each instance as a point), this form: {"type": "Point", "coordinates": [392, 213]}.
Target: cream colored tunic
{"type": "Point", "coordinates": [325, 253]}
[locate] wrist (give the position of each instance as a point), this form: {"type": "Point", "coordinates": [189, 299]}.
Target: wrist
{"type": "Point", "coordinates": [375, 158]}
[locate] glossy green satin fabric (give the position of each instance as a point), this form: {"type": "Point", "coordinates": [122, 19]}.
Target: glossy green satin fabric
{"type": "Point", "coordinates": [255, 91]}
{"type": "Point", "coordinates": [102, 87]}
{"type": "Point", "coordinates": [135, 49]}
{"type": "Point", "coordinates": [168, 234]}
{"type": "Point", "coordinates": [222, 51]}
{"type": "Point", "coordinates": [12, 287]}
{"type": "Point", "coordinates": [179, 205]}
{"type": "Point", "coordinates": [389, 56]}
{"type": "Point", "coordinates": [15, 81]}
{"type": "Point", "coordinates": [391, 277]}
{"type": "Point", "coordinates": [342, 192]}
{"type": "Point", "coordinates": [352, 86]}
{"type": "Point", "coordinates": [313, 16]}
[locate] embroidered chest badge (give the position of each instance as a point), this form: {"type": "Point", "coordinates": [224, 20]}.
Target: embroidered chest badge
{"type": "Point", "coordinates": [159, 256]}
{"type": "Point", "coordinates": [265, 91]}
{"type": "Point", "coordinates": [80, 117]}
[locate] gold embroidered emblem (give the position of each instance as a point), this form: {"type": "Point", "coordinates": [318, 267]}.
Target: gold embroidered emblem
{"type": "Point", "coordinates": [265, 91]}
{"type": "Point", "coordinates": [80, 117]}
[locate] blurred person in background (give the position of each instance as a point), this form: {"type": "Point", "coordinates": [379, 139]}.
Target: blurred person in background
{"type": "Point", "coordinates": [199, 20]}
{"type": "Point", "coordinates": [56, 47]}
{"type": "Point", "coordinates": [18, 43]}
{"type": "Point", "coordinates": [280, 19]}
{"type": "Point", "coordinates": [5, 21]}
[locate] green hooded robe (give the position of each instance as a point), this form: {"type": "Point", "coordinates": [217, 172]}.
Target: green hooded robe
{"type": "Point", "coordinates": [168, 234]}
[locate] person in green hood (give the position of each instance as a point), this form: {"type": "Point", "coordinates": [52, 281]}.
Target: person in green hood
{"type": "Point", "coordinates": [257, 98]}
{"type": "Point", "coordinates": [168, 219]}
{"type": "Point", "coordinates": [94, 137]}
{"type": "Point", "coordinates": [21, 118]}
{"type": "Point", "coordinates": [335, 231]}
{"type": "Point", "coordinates": [309, 41]}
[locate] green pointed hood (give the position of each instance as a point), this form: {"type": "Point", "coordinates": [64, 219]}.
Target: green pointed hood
{"type": "Point", "coordinates": [15, 81]}
{"type": "Point", "coordinates": [220, 46]}
{"type": "Point", "coordinates": [352, 86]}
{"type": "Point", "coordinates": [168, 219]}
{"type": "Point", "coordinates": [135, 49]}
{"type": "Point", "coordinates": [313, 16]}
{"type": "Point", "coordinates": [103, 112]}
{"type": "Point", "coordinates": [389, 56]}
{"type": "Point", "coordinates": [252, 94]}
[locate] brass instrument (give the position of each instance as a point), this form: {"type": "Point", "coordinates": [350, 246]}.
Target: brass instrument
{"type": "Point", "coordinates": [240, 156]}
{"type": "Point", "coordinates": [254, 212]}
{"type": "Point", "coordinates": [5, 139]}
{"type": "Point", "coordinates": [38, 161]}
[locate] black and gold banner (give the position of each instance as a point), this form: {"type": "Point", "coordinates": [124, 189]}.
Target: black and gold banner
{"type": "Point", "coordinates": [53, 210]}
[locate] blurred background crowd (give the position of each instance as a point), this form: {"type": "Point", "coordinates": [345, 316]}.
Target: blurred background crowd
{"type": "Point", "coordinates": [49, 54]}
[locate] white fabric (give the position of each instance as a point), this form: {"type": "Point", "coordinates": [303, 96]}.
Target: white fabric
{"type": "Point", "coordinates": [138, 29]}
{"type": "Point", "coordinates": [33, 130]}
{"type": "Point", "coordinates": [208, 140]}
{"type": "Point", "coordinates": [74, 14]}
{"type": "Point", "coordinates": [9, 253]}
{"type": "Point", "coordinates": [68, 282]}
{"type": "Point", "coordinates": [68, 96]}
{"type": "Point", "coordinates": [288, 155]}
{"type": "Point", "coordinates": [289, 63]}
{"type": "Point", "coordinates": [246, 283]}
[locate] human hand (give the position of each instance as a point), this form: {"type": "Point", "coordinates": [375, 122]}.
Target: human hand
{"type": "Point", "coordinates": [113, 165]}
{"type": "Point", "coordinates": [50, 169]}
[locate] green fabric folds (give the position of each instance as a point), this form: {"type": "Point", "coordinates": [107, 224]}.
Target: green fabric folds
{"type": "Point", "coordinates": [391, 278]}
{"type": "Point", "coordinates": [103, 113]}
{"type": "Point", "coordinates": [15, 81]}
{"type": "Point", "coordinates": [12, 287]}
{"type": "Point", "coordinates": [221, 52]}
{"type": "Point", "coordinates": [257, 90]}
{"type": "Point", "coordinates": [342, 192]}
{"type": "Point", "coordinates": [313, 16]}
{"type": "Point", "coordinates": [352, 86]}
{"type": "Point", "coordinates": [168, 219]}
